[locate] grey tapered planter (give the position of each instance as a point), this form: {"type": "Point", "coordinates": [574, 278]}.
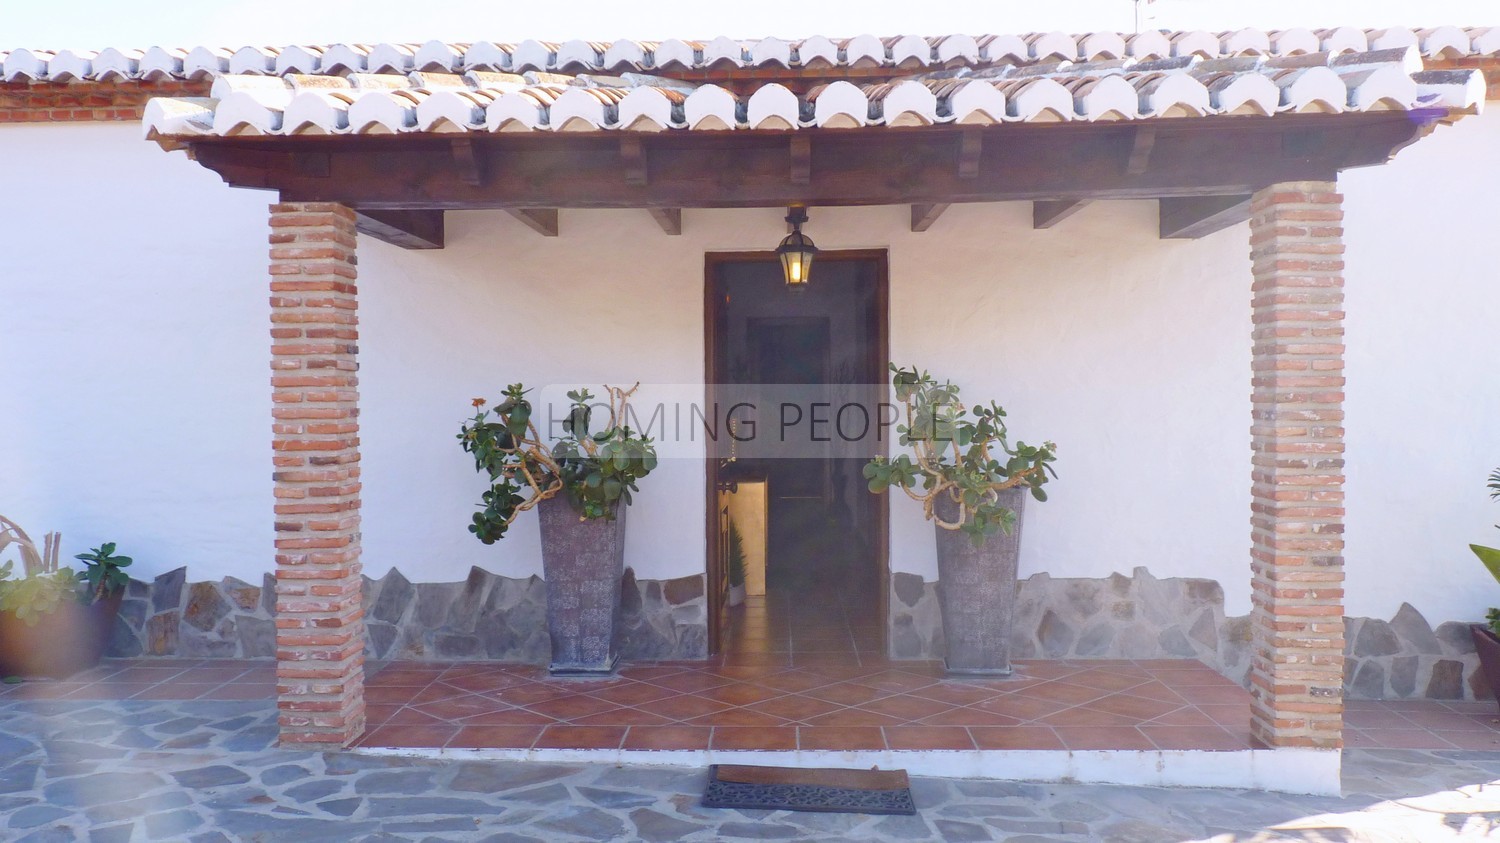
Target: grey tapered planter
{"type": "Point", "coordinates": [582, 562]}
{"type": "Point", "coordinates": [977, 590]}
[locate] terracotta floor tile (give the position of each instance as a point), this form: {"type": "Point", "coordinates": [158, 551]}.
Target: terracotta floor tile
{"type": "Point", "coordinates": [897, 681]}
{"type": "Point", "coordinates": [795, 707]}
{"type": "Point", "coordinates": [826, 662]}
{"type": "Point", "coordinates": [1446, 721]}
{"type": "Point", "coordinates": [210, 675]}
{"type": "Point", "coordinates": [969, 717]}
{"type": "Point", "coordinates": [691, 681]}
{"type": "Point", "coordinates": [1015, 737]}
{"type": "Point", "coordinates": [103, 691]}
{"type": "Point", "coordinates": [406, 716]}
{"type": "Point", "coordinates": [435, 735]}
{"type": "Point", "coordinates": [1063, 692]}
{"type": "Point", "coordinates": [633, 693]}
{"type": "Point", "coordinates": [394, 694]}
{"type": "Point", "coordinates": [1134, 707]}
{"type": "Point", "coordinates": [1171, 664]}
{"type": "Point", "coordinates": [928, 737]}
{"type": "Point", "coordinates": [182, 691]}
{"type": "Point", "coordinates": [907, 707]}
{"type": "Point", "coordinates": [855, 717]}
{"type": "Point", "coordinates": [1212, 694]}
{"type": "Point", "coordinates": [740, 717]}
{"type": "Point", "coordinates": [740, 693]}
{"type": "Point", "coordinates": [241, 691]}
{"type": "Point", "coordinates": [1107, 680]}
{"type": "Point", "coordinates": [391, 676]}
{"type": "Point", "coordinates": [955, 693]}
{"type": "Point", "coordinates": [1374, 719]}
{"type": "Point", "coordinates": [840, 737]}
{"type": "Point", "coordinates": [1154, 690]}
{"type": "Point", "coordinates": [1194, 737]}
{"type": "Point", "coordinates": [458, 708]}
{"type": "Point", "coordinates": [1019, 706]}
{"type": "Point", "coordinates": [781, 660]}
{"type": "Point", "coordinates": [796, 681]}
{"type": "Point", "coordinates": [1187, 716]}
{"type": "Point", "coordinates": [1087, 716]}
{"type": "Point", "coordinates": [510, 717]}
{"type": "Point", "coordinates": [622, 717]}
{"type": "Point", "coordinates": [646, 672]}
{"type": "Point", "coordinates": [568, 708]}
{"type": "Point", "coordinates": [377, 713]}
{"type": "Point", "coordinates": [742, 737]}
{"type": "Point", "coordinates": [581, 737]}
{"type": "Point", "coordinates": [847, 693]}
{"type": "Point", "coordinates": [487, 681]}
{"type": "Point", "coordinates": [147, 674]}
{"type": "Point", "coordinates": [1227, 715]}
{"type": "Point", "coordinates": [1483, 741]}
{"type": "Point", "coordinates": [1044, 669]}
{"type": "Point", "coordinates": [495, 737]}
{"type": "Point", "coordinates": [686, 707]}
{"type": "Point", "coordinates": [1103, 737]}
{"type": "Point", "coordinates": [532, 693]}
{"type": "Point", "coordinates": [1355, 739]}
{"type": "Point", "coordinates": [667, 737]}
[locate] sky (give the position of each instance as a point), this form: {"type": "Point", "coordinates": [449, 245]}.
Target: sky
{"type": "Point", "coordinates": [95, 24]}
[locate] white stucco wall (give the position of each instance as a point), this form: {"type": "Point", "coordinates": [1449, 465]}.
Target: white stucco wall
{"type": "Point", "coordinates": [133, 349]}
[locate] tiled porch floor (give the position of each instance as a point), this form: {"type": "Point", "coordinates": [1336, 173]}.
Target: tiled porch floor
{"type": "Point", "coordinates": [897, 705]}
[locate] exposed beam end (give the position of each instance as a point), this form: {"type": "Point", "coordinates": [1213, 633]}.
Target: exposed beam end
{"type": "Point", "coordinates": [1189, 218]}
{"type": "Point", "coordinates": [1047, 213]}
{"type": "Point", "coordinates": [923, 216]}
{"type": "Point", "coordinates": [541, 220]}
{"type": "Point", "coordinates": [670, 219]}
{"type": "Point", "coordinates": [407, 229]}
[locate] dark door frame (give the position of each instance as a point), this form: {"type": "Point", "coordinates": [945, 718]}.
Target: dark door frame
{"type": "Point", "coordinates": [880, 351]}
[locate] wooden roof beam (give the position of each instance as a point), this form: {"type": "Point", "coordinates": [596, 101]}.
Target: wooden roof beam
{"type": "Point", "coordinates": [670, 219]}
{"type": "Point", "coordinates": [1047, 213]}
{"type": "Point", "coordinates": [407, 229]}
{"type": "Point", "coordinates": [1189, 218]}
{"type": "Point", "coordinates": [541, 220]}
{"type": "Point", "coordinates": [924, 215]}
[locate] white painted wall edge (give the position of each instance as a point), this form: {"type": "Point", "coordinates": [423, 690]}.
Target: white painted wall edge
{"type": "Point", "coordinates": [1301, 771]}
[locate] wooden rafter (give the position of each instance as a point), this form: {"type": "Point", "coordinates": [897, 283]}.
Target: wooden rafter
{"type": "Point", "coordinates": [541, 220]}
{"type": "Point", "coordinates": [1189, 218]}
{"type": "Point", "coordinates": [409, 229]}
{"type": "Point", "coordinates": [1047, 213]}
{"type": "Point", "coordinates": [670, 219]}
{"type": "Point", "coordinates": [924, 215]}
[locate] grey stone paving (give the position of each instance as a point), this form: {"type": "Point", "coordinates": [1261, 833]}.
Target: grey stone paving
{"type": "Point", "coordinates": [201, 772]}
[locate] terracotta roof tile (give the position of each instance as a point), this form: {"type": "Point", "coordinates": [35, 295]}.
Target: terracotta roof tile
{"type": "Point", "coordinates": [480, 98]}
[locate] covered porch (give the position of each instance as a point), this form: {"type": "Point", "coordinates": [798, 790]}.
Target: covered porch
{"type": "Point", "coordinates": [1212, 143]}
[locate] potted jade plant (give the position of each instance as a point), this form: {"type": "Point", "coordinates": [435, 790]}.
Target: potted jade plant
{"type": "Point", "coordinates": [972, 485]}
{"type": "Point", "coordinates": [580, 486]}
{"type": "Point", "coordinates": [1487, 635]}
{"type": "Point", "coordinates": [52, 623]}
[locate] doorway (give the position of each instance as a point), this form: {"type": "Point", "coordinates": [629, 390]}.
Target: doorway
{"type": "Point", "coordinates": [796, 377]}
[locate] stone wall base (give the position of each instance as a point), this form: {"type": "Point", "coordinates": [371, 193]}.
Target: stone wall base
{"type": "Point", "coordinates": [484, 617]}
{"type": "Point", "coordinates": [1143, 617]}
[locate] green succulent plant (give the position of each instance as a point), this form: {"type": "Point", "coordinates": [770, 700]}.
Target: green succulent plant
{"type": "Point", "coordinates": [34, 597]}
{"type": "Point", "coordinates": [102, 569]}
{"type": "Point", "coordinates": [597, 471]}
{"type": "Point", "coordinates": [962, 453]}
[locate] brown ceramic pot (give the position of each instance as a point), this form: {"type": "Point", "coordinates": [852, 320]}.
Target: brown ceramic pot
{"type": "Point", "coordinates": [582, 562]}
{"type": "Point", "coordinates": [70, 638]}
{"type": "Point", "coordinates": [1488, 646]}
{"type": "Point", "coordinates": [977, 590]}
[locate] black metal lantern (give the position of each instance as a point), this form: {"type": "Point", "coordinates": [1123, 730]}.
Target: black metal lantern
{"type": "Point", "coordinates": [796, 251]}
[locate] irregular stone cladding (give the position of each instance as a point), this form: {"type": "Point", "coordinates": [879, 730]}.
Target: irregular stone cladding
{"type": "Point", "coordinates": [1142, 617]}
{"type": "Point", "coordinates": [484, 617]}
{"type": "Point", "coordinates": [1138, 617]}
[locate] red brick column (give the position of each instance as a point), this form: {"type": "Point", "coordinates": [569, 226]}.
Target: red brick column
{"type": "Point", "coordinates": [315, 438]}
{"type": "Point", "coordinates": [1297, 508]}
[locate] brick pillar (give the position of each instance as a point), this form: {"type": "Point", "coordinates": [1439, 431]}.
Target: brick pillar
{"type": "Point", "coordinates": [315, 440]}
{"type": "Point", "coordinates": [1297, 434]}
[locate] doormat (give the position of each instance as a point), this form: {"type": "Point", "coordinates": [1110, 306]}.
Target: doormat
{"type": "Point", "coordinates": [791, 789]}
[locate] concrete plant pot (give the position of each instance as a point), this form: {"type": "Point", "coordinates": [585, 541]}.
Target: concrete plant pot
{"type": "Point", "coordinates": [977, 591]}
{"type": "Point", "coordinates": [582, 562]}
{"type": "Point", "coordinates": [1488, 646]}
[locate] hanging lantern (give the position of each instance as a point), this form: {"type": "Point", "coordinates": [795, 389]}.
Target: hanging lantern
{"type": "Point", "coordinates": [796, 251]}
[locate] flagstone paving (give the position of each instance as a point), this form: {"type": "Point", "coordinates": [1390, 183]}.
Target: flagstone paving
{"type": "Point", "coordinates": [208, 770]}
